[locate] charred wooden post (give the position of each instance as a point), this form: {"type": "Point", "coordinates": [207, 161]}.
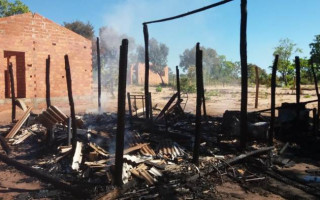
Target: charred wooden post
{"type": "Point", "coordinates": [202, 88]}
{"type": "Point", "coordinates": [99, 75]}
{"type": "Point", "coordinates": [257, 87]}
{"type": "Point", "coordinates": [150, 103]}
{"type": "Point", "coordinates": [198, 106]}
{"type": "Point", "coordinates": [315, 121]}
{"type": "Point", "coordinates": [316, 85]}
{"type": "Point", "coordinates": [129, 104]}
{"type": "Point", "coordinates": [71, 103]}
{"type": "Point", "coordinates": [13, 95]}
{"type": "Point", "coordinates": [178, 82]}
{"type": "Point", "coordinates": [273, 99]}
{"type": "Point", "coordinates": [48, 82]}
{"type": "Point", "coordinates": [146, 63]}
{"type": "Point", "coordinates": [244, 76]}
{"type": "Point", "coordinates": [297, 61]}
{"type": "Point", "coordinates": [121, 111]}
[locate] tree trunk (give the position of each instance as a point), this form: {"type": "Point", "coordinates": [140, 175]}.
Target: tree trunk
{"type": "Point", "coordinates": [162, 82]}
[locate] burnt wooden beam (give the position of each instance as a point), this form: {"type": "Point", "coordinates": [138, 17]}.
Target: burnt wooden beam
{"type": "Point", "coordinates": [71, 103]}
{"type": "Point", "coordinates": [202, 87]}
{"type": "Point", "coordinates": [146, 63]}
{"type": "Point", "coordinates": [99, 75]}
{"type": "Point", "coordinates": [191, 12]}
{"type": "Point", "coordinates": [42, 176]}
{"type": "Point", "coordinates": [121, 111]}
{"type": "Point", "coordinates": [230, 162]}
{"type": "Point", "coordinates": [13, 95]}
{"type": "Point", "coordinates": [244, 76]}
{"type": "Point", "coordinates": [273, 99]}
{"type": "Point", "coordinates": [257, 87]}
{"type": "Point", "coordinates": [298, 78]}
{"type": "Point", "coordinates": [129, 104]}
{"type": "Point", "coordinates": [178, 83]}
{"type": "Point", "coordinates": [166, 107]}
{"type": "Point", "coordinates": [48, 100]}
{"type": "Point", "coordinates": [198, 106]}
{"type": "Point", "coordinates": [315, 78]}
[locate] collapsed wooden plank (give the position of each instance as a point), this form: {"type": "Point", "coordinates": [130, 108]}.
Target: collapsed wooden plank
{"type": "Point", "coordinates": [25, 134]}
{"type": "Point", "coordinates": [77, 157]}
{"type": "Point", "coordinates": [19, 124]}
{"type": "Point", "coordinates": [166, 107]}
{"type": "Point", "coordinates": [98, 149]}
{"type": "Point", "coordinates": [59, 112]}
{"type": "Point", "coordinates": [232, 161]}
{"type": "Point", "coordinates": [42, 176]}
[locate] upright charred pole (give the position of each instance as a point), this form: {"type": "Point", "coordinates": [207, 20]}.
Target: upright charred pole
{"type": "Point", "coordinates": [202, 90]}
{"type": "Point", "coordinates": [257, 87]}
{"type": "Point", "coordinates": [297, 62]}
{"type": "Point", "coordinates": [13, 95]}
{"type": "Point", "coordinates": [48, 100]}
{"type": "Point", "coordinates": [71, 103]}
{"type": "Point", "coordinates": [315, 85]}
{"type": "Point", "coordinates": [244, 75]}
{"type": "Point", "coordinates": [178, 83]}
{"type": "Point", "coordinates": [198, 105]}
{"type": "Point", "coordinates": [273, 99]}
{"type": "Point", "coordinates": [146, 62]}
{"type": "Point", "coordinates": [99, 75]}
{"type": "Point", "coordinates": [121, 111]}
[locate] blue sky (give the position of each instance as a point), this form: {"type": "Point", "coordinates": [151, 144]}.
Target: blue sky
{"type": "Point", "coordinates": [218, 28]}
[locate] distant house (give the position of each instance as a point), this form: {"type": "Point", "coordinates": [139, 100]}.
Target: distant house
{"type": "Point", "coordinates": [26, 40]}
{"type": "Point", "coordinates": [136, 74]}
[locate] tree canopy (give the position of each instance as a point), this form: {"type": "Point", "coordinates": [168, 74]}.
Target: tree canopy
{"type": "Point", "coordinates": [158, 56]}
{"type": "Point", "coordinates": [8, 8]}
{"type": "Point", "coordinates": [315, 50]}
{"type": "Point", "coordinates": [215, 67]}
{"type": "Point", "coordinates": [86, 30]}
{"type": "Point", "coordinates": [285, 49]}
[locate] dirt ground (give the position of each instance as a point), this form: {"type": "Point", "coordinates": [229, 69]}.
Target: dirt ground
{"type": "Point", "coordinates": [218, 99]}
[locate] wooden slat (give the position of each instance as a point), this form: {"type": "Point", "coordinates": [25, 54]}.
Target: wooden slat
{"type": "Point", "coordinates": [19, 124]}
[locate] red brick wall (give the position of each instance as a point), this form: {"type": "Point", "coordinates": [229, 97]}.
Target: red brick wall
{"type": "Point", "coordinates": [139, 71]}
{"type": "Point", "coordinates": [37, 37]}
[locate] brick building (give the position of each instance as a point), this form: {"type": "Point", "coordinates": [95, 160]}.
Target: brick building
{"type": "Point", "coordinates": [136, 74]}
{"type": "Point", "coordinates": [26, 40]}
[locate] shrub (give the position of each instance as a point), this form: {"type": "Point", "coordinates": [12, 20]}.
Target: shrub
{"type": "Point", "coordinates": [159, 89]}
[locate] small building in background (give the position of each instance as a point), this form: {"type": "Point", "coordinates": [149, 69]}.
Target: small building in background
{"type": "Point", "coordinates": [26, 40]}
{"type": "Point", "coordinates": [136, 74]}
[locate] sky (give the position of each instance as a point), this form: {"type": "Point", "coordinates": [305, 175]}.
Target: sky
{"type": "Point", "coordinates": [217, 28]}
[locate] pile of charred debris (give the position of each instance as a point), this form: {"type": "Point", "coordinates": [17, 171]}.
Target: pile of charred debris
{"type": "Point", "coordinates": [158, 160]}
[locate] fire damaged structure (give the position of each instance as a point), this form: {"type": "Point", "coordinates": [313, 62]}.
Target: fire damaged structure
{"type": "Point", "coordinates": [166, 153]}
{"type": "Point", "coordinates": [26, 41]}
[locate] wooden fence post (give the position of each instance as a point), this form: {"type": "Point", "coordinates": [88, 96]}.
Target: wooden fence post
{"type": "Point", "coordinates": [121, 111]}
{"type": "Point", "coordinates": [244, 76]}
{"type": "Point", "coordinates": [273, 99]}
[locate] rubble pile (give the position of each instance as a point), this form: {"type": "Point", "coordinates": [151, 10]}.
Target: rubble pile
{"type": "Point", "coordinates": [157, 164]}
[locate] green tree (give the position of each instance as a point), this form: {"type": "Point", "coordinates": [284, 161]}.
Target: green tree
{"type": "Point", "coordinates": [315, 50]}
{"type": "Point", "coordinates": [216, 68]}
{"type": "Point", "coordinates": [12, 8]}
{"type": "Point", "coordinates": [86, 30]}
{"type": "Point", "coordinates": [285, 49]}
{"type": "Point", "coordinates": [158, 56]}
